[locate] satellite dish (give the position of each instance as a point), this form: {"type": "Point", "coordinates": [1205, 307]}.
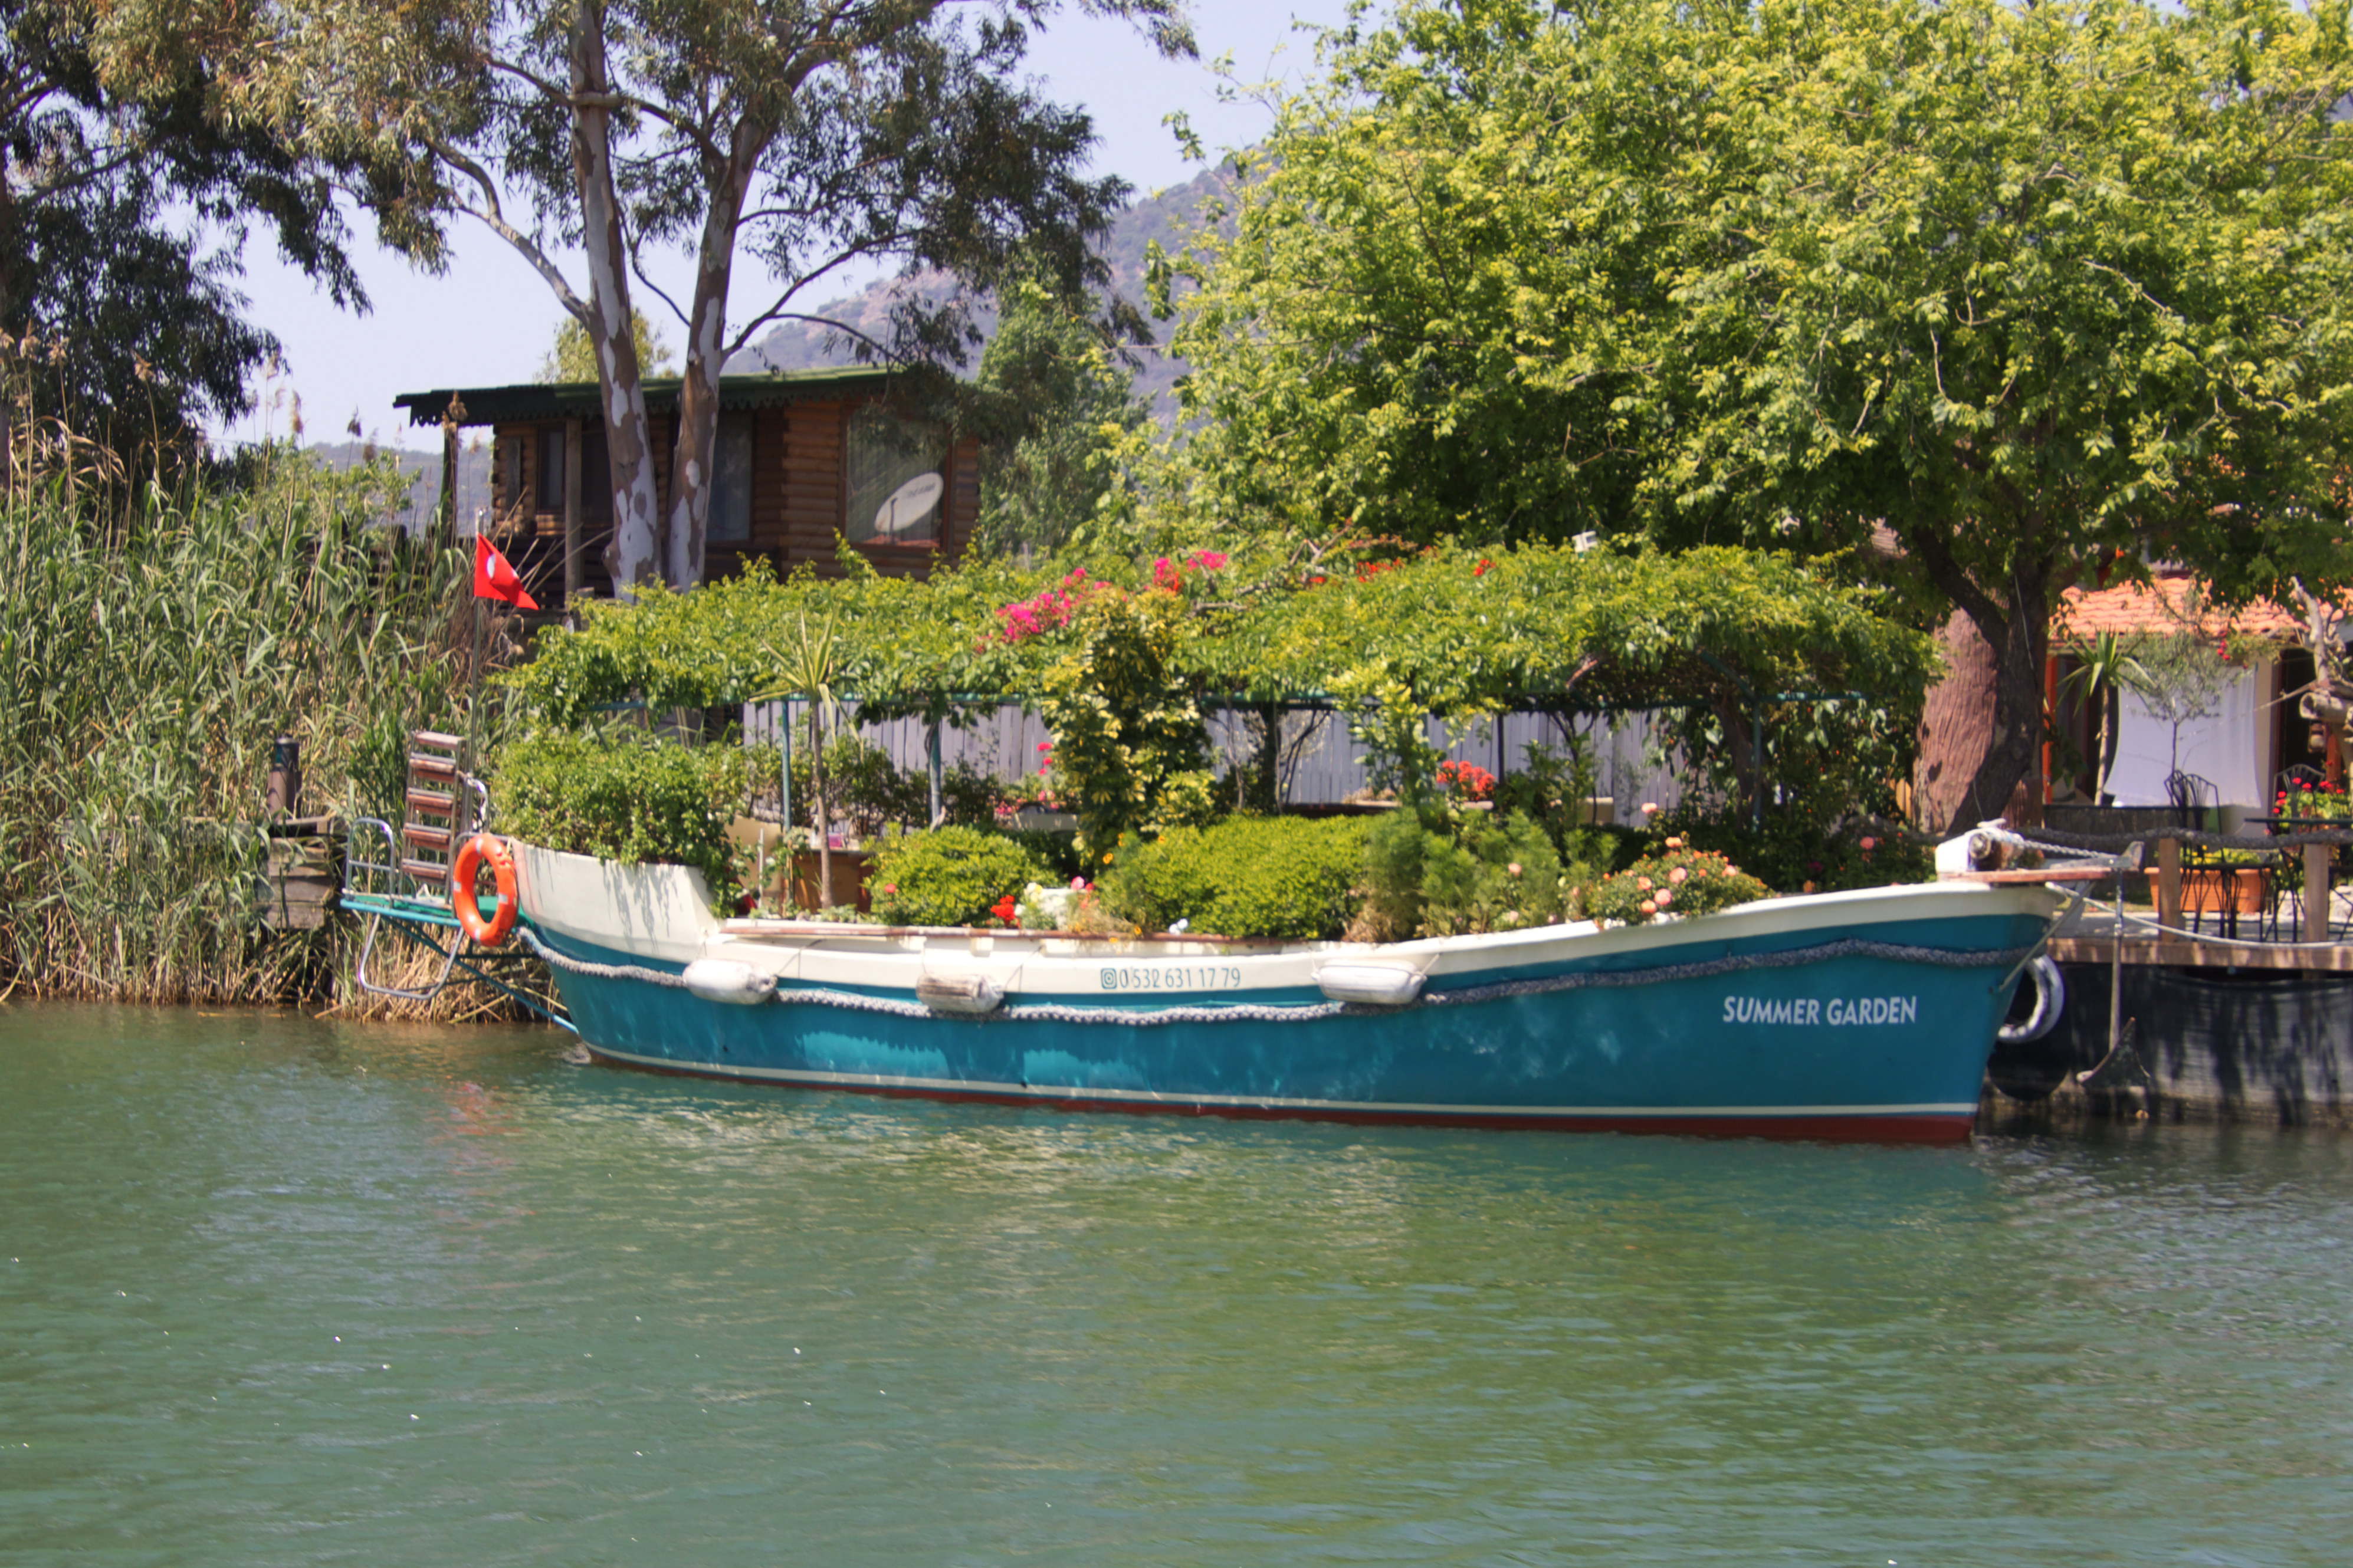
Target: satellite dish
{"type": "Point", "coordinates": [908, 506]}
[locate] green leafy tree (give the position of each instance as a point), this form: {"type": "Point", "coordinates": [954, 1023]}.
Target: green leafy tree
{"type": "Point", "coordinates": [804, 136]}
{"type": "Point", "coordinates": [1065, 414]}
{"type": "Point", "coordinates": [125, 202]}
{"type": "Point", "coordinates": [573, 358]}
{"type": "Point", "coordinates": [1977, 294]}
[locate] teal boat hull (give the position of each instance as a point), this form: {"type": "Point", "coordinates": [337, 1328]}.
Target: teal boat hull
{"type": "Point", "coordinates": [1852, 1017]}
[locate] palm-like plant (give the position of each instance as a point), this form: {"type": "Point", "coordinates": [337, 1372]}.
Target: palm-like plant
{"type": "Point", "coordinates": [811, 665]}
{"type": "Point", "coordinates": [2105, 666]}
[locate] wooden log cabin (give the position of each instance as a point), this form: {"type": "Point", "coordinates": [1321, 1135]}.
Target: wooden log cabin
{"type": "Point", "coordinates": [804, 458]}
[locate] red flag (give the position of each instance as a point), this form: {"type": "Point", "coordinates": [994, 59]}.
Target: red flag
{"type": "Point", "coordinates": [494, 579]}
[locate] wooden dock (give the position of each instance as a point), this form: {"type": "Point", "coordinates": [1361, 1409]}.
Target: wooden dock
{"type": "Point", "coordinates": [2174, 952]}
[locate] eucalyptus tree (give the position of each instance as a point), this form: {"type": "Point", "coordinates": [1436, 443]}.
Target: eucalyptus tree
{"type": "Point", "coordinates": [805, 136]}
{"type": "Point", "coordinates": [1977, 294]}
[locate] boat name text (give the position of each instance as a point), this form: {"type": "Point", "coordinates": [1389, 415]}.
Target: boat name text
{"type": "Point", "coordinates": [1837, 1013]}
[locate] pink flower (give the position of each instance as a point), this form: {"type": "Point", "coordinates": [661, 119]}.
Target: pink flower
{"type": "Point", "coordinates": [1675, 843]}
{"type": "Point", "coordinates": [1869, 845]}
{"type": "Point", "coordinates": [1649, 808]}
{"type": "Point", "coordinates": [889, 887]}
{"type": "Point", "coordinates": [1514, 869]}
{"type": "Point", "coordinates": [1677, 876]}
{"type": "Point", "coordinates": [1648, 908]}
{"type": "Point", "coordinates": [1665, 898]}
{"type": "Point", "coordinates": [1165, 576]}
{"type": "Point", "coordinates": [1644, 883]}
{"type": "Point", "coordinates": [1208, 560]}
{"type": "Point", "coordinates": [1078, 884]}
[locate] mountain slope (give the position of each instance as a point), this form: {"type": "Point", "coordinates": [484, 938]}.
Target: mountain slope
{"type": "Point", "coordinates": [1166, 217]}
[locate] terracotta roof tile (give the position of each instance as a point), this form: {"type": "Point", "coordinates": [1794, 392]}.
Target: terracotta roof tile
{"type": "Point", "coordinates": [2162, 606]}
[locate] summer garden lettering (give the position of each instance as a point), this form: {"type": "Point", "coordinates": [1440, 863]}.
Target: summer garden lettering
{"type": "Point", "coordinates": [1836, 1013]}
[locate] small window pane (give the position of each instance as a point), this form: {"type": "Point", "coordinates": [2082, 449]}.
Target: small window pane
{"type": "Point", "coordinates": [551, 469]}
{"type": "Point", "coordinates": [894, 482]}
{"type": "Point", "coordinates": [731, 485]}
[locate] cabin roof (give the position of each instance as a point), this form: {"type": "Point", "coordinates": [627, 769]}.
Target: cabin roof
{"type": "Point", "coordinates": [2164, 606]}
{"type": "Point", "coordinates": [581, 400]}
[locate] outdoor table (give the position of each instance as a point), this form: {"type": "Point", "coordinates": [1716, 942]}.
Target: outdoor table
{"type": "Point", "coordinates": [2290, 863]}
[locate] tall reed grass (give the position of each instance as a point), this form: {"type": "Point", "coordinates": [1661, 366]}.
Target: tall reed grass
{"type": "Point", "coordinates": [154, 641]}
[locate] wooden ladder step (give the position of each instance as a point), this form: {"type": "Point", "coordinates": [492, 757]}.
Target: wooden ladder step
{"type": "Point", "coordinates": [425, 838]}
{"type": "Point", "coordinates": [425, 870]}
{"type": "Point", "coordinates": [424, 764]}
{"type": "Point", "coordinates": [432, 800]}
{"type": "Point", "coordinates": [435, 737]}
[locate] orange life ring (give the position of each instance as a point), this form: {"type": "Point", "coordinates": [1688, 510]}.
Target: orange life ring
{"type": "Point", "coordinates": [481, 847]}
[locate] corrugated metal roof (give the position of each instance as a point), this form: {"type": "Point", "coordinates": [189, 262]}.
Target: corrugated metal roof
{"type": "Point", "coordinates": [580, 399]}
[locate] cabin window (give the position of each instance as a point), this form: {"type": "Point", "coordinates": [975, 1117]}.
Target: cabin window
{"type": "Point", "coordinates": [596, 477]}
{"type": "Point", "coordinates": [731, 483]}
{"type": "Point", "coordinates": [894, 482]}
{"type": "Point", "coordinates": [551, 469]}
{"type": "Point", "coordinates": [510, 450]}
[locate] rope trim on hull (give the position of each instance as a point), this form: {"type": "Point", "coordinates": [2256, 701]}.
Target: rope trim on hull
{"type": "Point", "coordinates": [1276, 1013]}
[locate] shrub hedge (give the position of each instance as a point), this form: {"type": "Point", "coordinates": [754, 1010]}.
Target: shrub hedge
{"type": "Point", "coordinates": [950, 876]}
{"type": "Point", "coordinates": [1248, 876]}
{"type": "Point", "coordinates": [637, 799]}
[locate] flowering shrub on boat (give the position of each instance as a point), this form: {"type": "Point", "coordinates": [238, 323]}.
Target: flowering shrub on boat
{"type": "Point", "coordinates": [1466, 781]}
{"type": "Point", "coordinates": [951, 877]}
{"type": "Point", "coordinates": [1681, 881]}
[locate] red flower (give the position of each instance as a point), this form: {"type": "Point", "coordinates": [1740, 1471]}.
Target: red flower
{"type": "Point", "coordinates": [1005, 910]}
{"type": "Point", "coordinates": [1481, 570]}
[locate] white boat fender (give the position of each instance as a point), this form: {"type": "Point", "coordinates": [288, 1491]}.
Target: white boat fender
{"type": "Point", "coordinates": [1370, 984]}
{"type": "Point", "coordinates": [2049, 996]}
{"type": "Point", "coordinates": [726, 980]}
{"type": "Point", "coordinates": [972, 995]}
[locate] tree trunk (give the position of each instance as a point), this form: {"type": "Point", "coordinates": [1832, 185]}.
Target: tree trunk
{"type": "Point", "coordinates": [688, 515]}
{"type": "Point", "coordinates": [1983, 721]}
{"type": "Point", "coordinates": [632, 558]}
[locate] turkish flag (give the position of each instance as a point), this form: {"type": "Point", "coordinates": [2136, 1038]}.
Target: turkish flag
{"type": "Point", "coordinates": [495, 579]}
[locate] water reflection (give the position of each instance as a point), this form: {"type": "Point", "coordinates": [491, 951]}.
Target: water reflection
{"type": "Point", "coordinates": [432, 1294]}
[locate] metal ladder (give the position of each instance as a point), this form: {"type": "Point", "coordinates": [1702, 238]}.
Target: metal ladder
{"type": "Point", "coordinates": [441, 805]}
{"type": "Point", "coordinates": [436, 808]}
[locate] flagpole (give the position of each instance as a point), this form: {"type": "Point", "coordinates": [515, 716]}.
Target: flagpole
{"type": "Point", "coordinates": [474, 663]}
{"type": "Point", "coordinates": [494, 578]}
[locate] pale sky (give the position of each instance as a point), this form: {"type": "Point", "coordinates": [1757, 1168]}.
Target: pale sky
{"type": "Point", "coordinates": [489, 321]}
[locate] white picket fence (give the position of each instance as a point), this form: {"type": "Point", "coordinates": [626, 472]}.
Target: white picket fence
{"type": "Point", "coordinates": [1628, 749]}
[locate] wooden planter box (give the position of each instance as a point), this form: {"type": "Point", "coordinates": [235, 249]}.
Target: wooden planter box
{"type": "Point", "coordinates": [850, 868]}
{"type": "Point", "coordinates": [2218, 889]}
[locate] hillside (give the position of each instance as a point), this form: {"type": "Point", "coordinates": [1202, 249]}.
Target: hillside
{"type": "Point", "coordinates": [423, 469]}
{"type": "Point", "coordinates": [1166, 217]}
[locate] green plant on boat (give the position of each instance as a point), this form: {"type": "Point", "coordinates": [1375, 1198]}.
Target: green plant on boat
{"type": "Point", "coordinates": [1433, 867]}
{"type": "Point", "coordinates": [1245, 877]}
{"type": "Point", "coordinates": [628, 796]}
{"type": "Point", "coordinates": [951, 877]}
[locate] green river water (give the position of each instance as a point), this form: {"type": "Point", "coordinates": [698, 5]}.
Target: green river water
{"type": "Point", "coordinates": [280, 1291]}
